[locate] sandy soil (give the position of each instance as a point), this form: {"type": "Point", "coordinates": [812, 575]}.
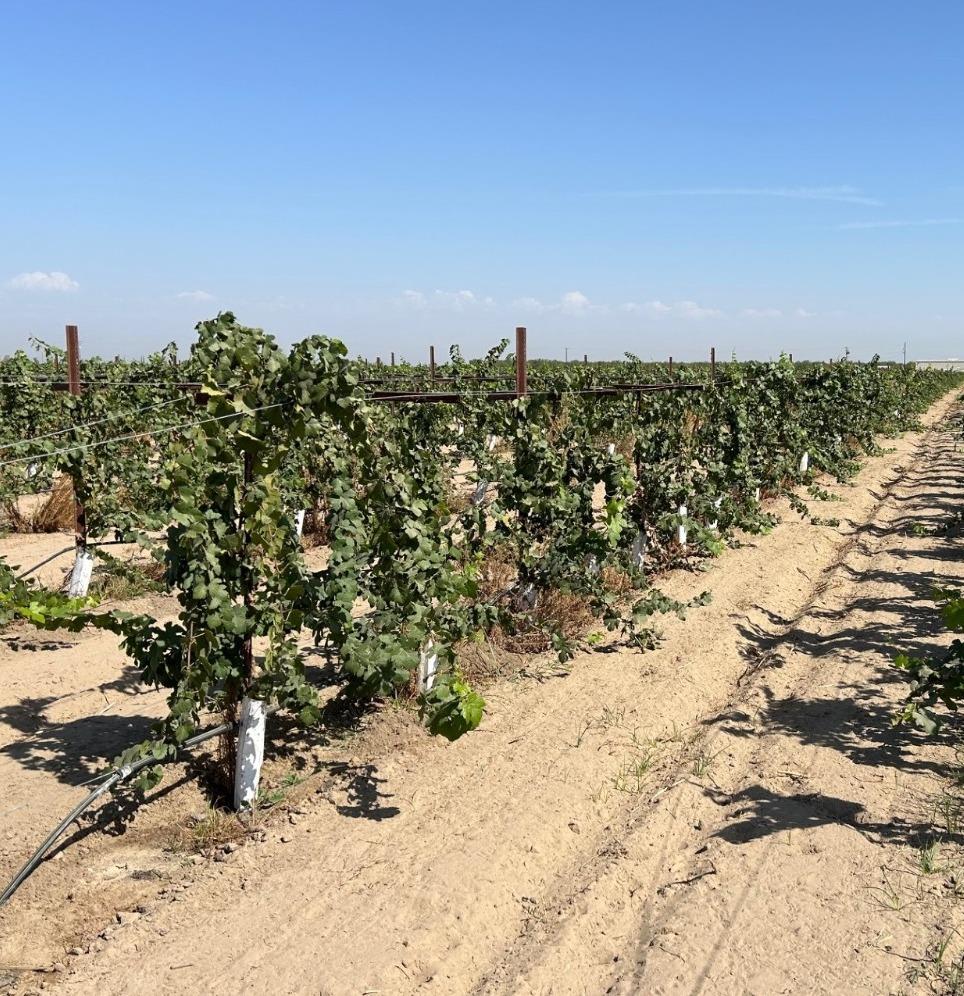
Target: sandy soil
{"type": "Point", "coordinates": [730, 813]}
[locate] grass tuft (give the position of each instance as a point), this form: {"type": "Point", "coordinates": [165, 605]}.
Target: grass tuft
{"type": "Point", "coordinates": [204, 833]}
{"type": "Point", "coordinates": [54, 514]}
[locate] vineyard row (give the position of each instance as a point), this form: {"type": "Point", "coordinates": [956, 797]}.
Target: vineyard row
{"type": "Point", "coordinates": [444, 522]}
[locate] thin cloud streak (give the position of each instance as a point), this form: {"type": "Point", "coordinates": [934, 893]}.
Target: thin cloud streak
{"type": "Point", "coordinates": [576, 304]}
{"type": "Point", "coordinates": [842, 194]}
{"type": "Point", "coordinates": [922, 223]}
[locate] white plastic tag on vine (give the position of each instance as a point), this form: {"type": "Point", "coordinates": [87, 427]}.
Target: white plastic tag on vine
{"type": "Point", "coordinates": [593, 565]}
{"type": "Point", "coordinates": [479, 494]}
{"type": "Point", "coordinates": [247, 771]}
{"type": "Point", "coordinates": [611, 449]}
{"type": "Point", "coordinates": [299, 521]}
{"type": "Point", "coordinates": [490, 443]}
{"type": "Point", "coordinates": [81, 574]}
{"type": "Point", "coordinates": [637, 553]}
{"type": "Point", "coordinates": [530, 596]}
{"type": "Point", "coordinates": [681, 529]}
{"type": "Point", "coordinates": [804, 463]}
{"type": "Point", "coordinates": [32, 470]}
{"type": "Point", "coordinates": [427, 667]}
{"type": "Point", "coordinates": [756, 494]}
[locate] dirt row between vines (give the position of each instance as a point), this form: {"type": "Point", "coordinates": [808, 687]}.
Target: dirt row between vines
{"type": "Point", "coordinates": [731, 812]}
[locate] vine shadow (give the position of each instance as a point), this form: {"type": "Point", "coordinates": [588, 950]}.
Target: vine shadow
{"type": "Point", "coordinates": [856, 720]}
{"type": "Point", "coordinates": [74, 749]}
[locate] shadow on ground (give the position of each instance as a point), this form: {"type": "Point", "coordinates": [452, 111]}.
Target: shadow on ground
{"type": "Point", "coordinates": [858, 720]}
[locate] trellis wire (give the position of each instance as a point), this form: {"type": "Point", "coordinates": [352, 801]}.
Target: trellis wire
{"type": "Point", "coordinates": [141, 435]}
{"type": "Point", "coordinates": [89, 425]}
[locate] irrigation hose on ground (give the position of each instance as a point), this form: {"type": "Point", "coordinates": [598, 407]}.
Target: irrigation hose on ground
{"type": "Point", "coordinates": [68, 549]}
{"type": "Point", "coordinates": [115, 778]}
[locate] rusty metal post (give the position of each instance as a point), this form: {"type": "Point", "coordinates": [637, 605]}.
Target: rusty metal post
{"type": "Point", "coordinates": [431, 362]}
{"type": "Point", "coordinates": [713, 362]}
{"type": "Point", "coordinates": [393, 359]}
{"type": "Point", "coordinates": [521, 371]}
{"type": "Point", "coordinates": [75, 388]}
{"type": "Point", "coordinates": [73, 360]}
{"type": "Point", "coordinates": [671, 366]}
{"type": "Point", "coordinates": [585, 358]}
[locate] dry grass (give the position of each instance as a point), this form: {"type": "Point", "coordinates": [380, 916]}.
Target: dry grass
{"type": "Point", "coordinates": [559, 421]}
{"type": "Point", "coordinates": [117, 580]}
{"type": "Point", "coordinates": [206, 832]}
{"type": "Point", "coordinates": [316, 531]}
{"type": "Point", "coordinates": [52, 515]}
{"type": "Point", "coordinates": [458, 495]}
{"type": "Point", "coordinates": [483, 662]}
{"type": "Point", "coordinates": [555, 611]}
{"type": "Point", "coordinates": [617, 581]}
{"type": "Point", "coordinates": [624, 444]}
{"type": "Point", "coordinates": [504, 652]}
{"type": "Point", "coordinates": [497, 574]}
{"type": "Point", "coordinates": [691, 425]}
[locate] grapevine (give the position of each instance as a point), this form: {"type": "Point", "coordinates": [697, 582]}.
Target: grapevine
{"type": "Point", "coordinates": [418, 501]}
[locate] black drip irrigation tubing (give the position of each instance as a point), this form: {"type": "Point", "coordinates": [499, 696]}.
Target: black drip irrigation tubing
{"type": "Point", "coordinates": [67, 549]}
{"type": "Point", "coordinates": [110, 781]}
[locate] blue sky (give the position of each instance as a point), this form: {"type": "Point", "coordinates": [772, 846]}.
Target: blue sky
{"type": "Point", "coordinates": [617, 176]}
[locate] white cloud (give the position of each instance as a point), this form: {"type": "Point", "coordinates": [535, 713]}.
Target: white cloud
{"type": "Point", "coordinates": [575, 302]}
{"type": "Point", "coordinates": [678, 309]}
{"type": "Point", "coordinates": [461, 300]}
{"type": "Point", "coordinates": [922, 223]}
{"type": "Point", "coordinates": [441, 300]}
{"type": "Point", "coordinates": [413, 298]}
{"type": "Point", "coordinates": [195, 295]}
{"type": "Point", "coordinates": [843, 194]}
{"type": "Point", "coordinates": [803, 313]}
{"type": "Point", "coordinates": [571, 303]}
{"type": "Point", "coordinates": [530, 304]}
{"type": "Point", "coordinates": [40, 281]}
{"type": "Point", "coordinates": [761, 313]}
{"type": "Point", "coordinates": [690, 309]}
